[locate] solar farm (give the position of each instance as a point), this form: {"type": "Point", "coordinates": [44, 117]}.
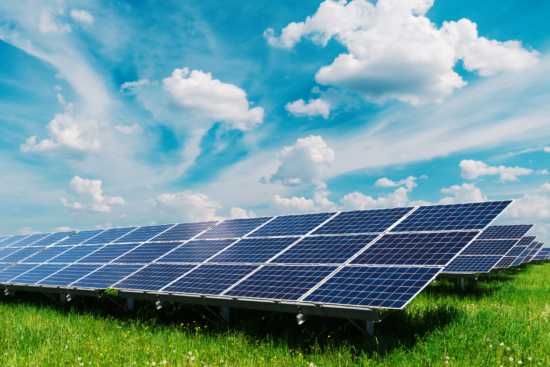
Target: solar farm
{"type": "Point", "coordinates": [356, 280]}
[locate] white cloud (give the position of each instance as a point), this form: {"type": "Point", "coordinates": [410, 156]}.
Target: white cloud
{"type": "Point", "coordinates": [239, 213]}
{"type": "Point", "coordinates": [82, 16]}
{"type": "Point", "coordinates": [315, 107]}
{"type": "Point", "coordinates": [48, 25]}
{"type": "Point", "coordinates": [26, 230]}
{"type": "Point", "coordinates": [304, 162]}
{"type": "Point", "coordinates": [357, 200]}
{"type": "Point", "coordinates": [547, 149]}
{"type": "Point", "coordinates": [319, 202]}
{"type": "Point", "coordinates": [467, 193]}
{"type": "Point", "coordinates": [107, 225]}
{"type": "Point", "coordinates": [58, 88]}
{"type": "Point", "coordinates": [63, 229]}
{"type": "Point", "coordinates": [473, 169]}
{"type": "Point", "coordinates": [129, 130]}
{"type": "Point", "coordinates": [409, 182]}
{"type": "Point", "coordinates": [542, 172]}
{"type": "Point", "coordinates": [92, 190]}
{"type": "Point", "coordinates": [211, 99]}
{"type": "Point", "coordinates": [188, 206]}
{"type": "Point", "coordinates": [395, 51]}
{"type": "Point", "coordinates": [130, 88]}
{"type": "Point", "coordinates": [532, 205]}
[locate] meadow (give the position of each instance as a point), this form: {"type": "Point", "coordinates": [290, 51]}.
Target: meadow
{"type": "Point", "coordinates": [497, 322]}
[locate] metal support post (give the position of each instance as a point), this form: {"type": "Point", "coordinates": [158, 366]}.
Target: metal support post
{"type": "Point", "coordinates": [225, 313]}
{"type": "Point", "coordinates": [159, 304]}
{"type": "Point", "coordinates": [62, 298]}
{"type": "Point", "coordinates": [301, 318]}
{"type": "Point", "coordinates": [489, 276]}
{"type": "Point", "coordinates": [363, 330]}
{"type": "Point", "coordinates": [130, 304]}
{"type": "Point", "coordinates": [369, 327]}
{"type": "Point", "coordinates": [462, 283]}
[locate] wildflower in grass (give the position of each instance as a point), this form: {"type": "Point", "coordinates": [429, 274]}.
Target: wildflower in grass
{"type": "Point", "coordinates": [153, 363]}
{"type": "Point", "coordinates": [82, 364]}
{"type": "Point", "coordinates": [174, 351]}
{"type": "Point", "coordinates": [501, 344]}
{"type": "Point", "coordinates": [190, 353]}
{"type": "Point", "coordinates": [519, 362]}
{"type": "Point", "coordinates": [490, 346]}
{"type": "Point", "coordinates": [508, 348]}
{"type": "Point", "coordinates": [311, 364]}
{"type": "Point", "coordinates": [447, 357]}
{"type": "Point", "coordinates": [221, 360]}
{"type": "Point", "coordinates": [79, 358]}
{"type": "Point", "coordinates": [66, 347]}
{"type": "Point", "coordinates": [511, 359]}
{"type": "Point", "coordinates": [529, 358]}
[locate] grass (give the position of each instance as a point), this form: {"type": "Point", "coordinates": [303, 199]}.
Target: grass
{"type": "Point", "coordinates": [493, 323]}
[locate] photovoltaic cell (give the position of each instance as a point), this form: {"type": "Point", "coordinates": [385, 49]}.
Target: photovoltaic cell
{"type": "Point", "coordinates": [108, 236]}
{"type": "Point", "coordinates": [542, 254]}
{"type": "Point", "coordinates": [324, 250]}
{"type": "Point", "coordinates": [526, 241]}
{"type": "Point", "coordinates": [21, 254]}
{"type": "Point", "coordinates": [4, 266]}
{"type": "Point", "coordinates": [415, 249]}
{"type": "Point", "coordinates": [29, 240]}
{"type": "Point", "coordinates": [505, 232]}
{"type": "Point", "coordinates": [257, 250]}
{"type": "Point", "coordinates": [148, 252]}
{"type": "Point", "coordinates": [37, 274]}
{"type": "Point", "coordinates": [74, 254]}
{"type": "Point", "coordinates": [51, 239]}
{"type": "Point", "coordinates": [3, 238]}
{"type": "Point", "coordinates": [8, 251]}
{"type": "Point", "coordinates": [69, 275]}
{"type": "Point", "coordinates": [452, 217]}
{"type": "Point", "coordinates": [107, 254]}
{"type": "Point", "coordinates": [184, 231]}
{"type": "Point", "coordinates": [46, 254]}
{"type": "Point", "coordinates": [519, 260]}
{"type": "Point", "coordinates": [472, 264]}
{"type": "Point", "coordinates": [363, 221]}
{"type": "Point", "coordinates": [234, 228]}
{"type": "Point", "coordinates": [143, 234]}
{"type": "Point", "coordinates": [13, 239]}
{"type": "Point", "coordinates": [292, 225]}
{"type": "Point", "coordinates": [154, 277]}
{"type": "Point", "coordinates": [15, 271]}
{"type": "Point", "coordinates": [377, 287]}
{"type": "Point", "coordinates": [515, 251]}
{"type": "Point", "coordinates": [210, 279]}
{"type": "Point", "coordinates": [196, 251]}
{"type": "Point", "coordinates": [489, 247]}
{"type": "Point", "coordinates": [282, 282]}
{"type": "Point", "coordinates": [106, 276]}
{"type": "Point", "coordinates": [79, 237]}
{"type": "Point", "coordinates": [506, 262]}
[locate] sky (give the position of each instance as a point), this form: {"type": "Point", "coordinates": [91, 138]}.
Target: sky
{"type": "Point", "coordinates": [132, 113]}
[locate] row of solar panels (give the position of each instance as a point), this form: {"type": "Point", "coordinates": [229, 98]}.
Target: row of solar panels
{"type": "Point", "coordinates": [350, 258]}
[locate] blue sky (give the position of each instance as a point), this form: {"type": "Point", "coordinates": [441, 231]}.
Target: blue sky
{"type": "Point", "coordinates": [128, 113]}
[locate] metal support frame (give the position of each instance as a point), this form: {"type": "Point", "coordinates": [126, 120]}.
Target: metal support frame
{"type": "Point", "coordinates": [215, 315]}
{"type": "Point", "coordinates": [462, 284]}
{"type": "Point", "coordinates": [50, 297]}
{"type": "Point", "coordinates": [62, 298]}
{"type": "Point", "coordinates": [489, 276]}
{"type": "Point", "coordinates": [9, 292]}
{"type": "Point", "coordinates": [364, 331]}
{"type": "Point", "coordinates": [112, 300]}
{"type": "Point", "coordinates": [225, 314]}
{"type": "Point", "coordinates": [203, 316]}
{"type": "Point", "coordinates": [130, 304]}
{"type": "Point", "coordinates": [301, 318]}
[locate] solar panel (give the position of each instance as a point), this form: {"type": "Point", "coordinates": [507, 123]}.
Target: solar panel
{"type": "Point", "coordinates": [51, 239]}
{"type": "Point", "coordinates": [106, 276]}
{"type": "Point", "coordinates": [21, 254]}
{"type": "Point", "coordinates": [415, 249]}
{"type": "Point", "coordinates": [257, 250]}
{"type": "Point", "coordinates": [79, 237]}
{"type": "Point", "coordinates": [196, 251]}
{"type": "Point", "coordinates": [526, 241]}
{"type": "Point", "coordinates": [3, 238]}
{"type": "Point", "coordinates": [29, 240]}
{"type": "Point", "coordinates": [542, 254]}
{"type": "Point", "coordinates": [143, 234]}
{"type": "Point", "coordinates": [184, 231]}
{"type": "Point", "coordinates": [74, 254]}
{"type": "Point", "coordinates": [505, 232]}
{"type": "Point", "coordinates": [15, 271]}
{"type": "Point", "coordinates": [377, 287]}
{"type": "Point", "coordinates": [8, 251]}
{"type": "Point", "coordinates": [13, 239]}
{"type": "Point", "coordinates": [107, 254]}
{"type": "Point", "coordinates": [452, 217]}
{"type": "Point", "coordinates": [324, 249]}
{"type": "Point", "coordinates": [45, 255]}
{"type": "Point", "coordinates": [108, 236]}
{"type": "Point", "coordinates": [38, 273]}
{"type": "Point", "coordinates": [234, 228]}
{"type": "Point", "coordinates": [69, 275]}
{"type": "Point", "coordinates": [515, 251]}
{"type": "Point", "coordinates": [292, 225]}
{"type": "Point", "coordinates": [4, 266]}
{"type": "Point", "coordinates": [489, 247]}
{"type": "Point", "coordinates": [363, 221]}
{"type": "Point", "coordinates": [154, 277]}
{"type": "Point", "coordinates": [506, 262]}
{"type": "Point", "coordinates": [210, 279]}
{"type": "Point", "coordinates": [281, 282]}
{"type": "Point", "coordinates": [147, 252]}
{"type": "Point", "coordinates": [472, 264]}
{"type": "Point", "coordinates": [519, 260]}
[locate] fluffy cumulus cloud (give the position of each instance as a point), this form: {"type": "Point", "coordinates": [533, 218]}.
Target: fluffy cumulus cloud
{"type": "Point", "coordinates": [547, 149]}
{"type": "Point", "coordinates": [129, 129]}
{"type": "Point", "coordinates": [188, 206]}
{"type": "Point", "coordinates": [305, 162]}
{"type": "Point", "coordinates": [473, 169]}
{"type": "Point", "coordinates": [295, 205]}
{"type": "Point", "coordinates": [532, 206]}
{"type": "Point", "coordinates": [92, 191]}
{"type": "Point", "coordinates": [82, 16]}
{"type": "Point", "coordinates": [409, 182]}
{"type": "Point", "coordinates": [239, 213]}
{"type": "Point", "coordinates": [395, 51]}
{"type": "Point", "coordinates": [357, 200]}
{"type": "Point", "coordinates": [467, 193]}
{"type": "Point", "coordinates": [211, 99]}
{"type": "Point", "coordinates": [130, 88]}
{"type": "Point", "coordinates": [48, 23]}
{"type": "Point", "coordinates": [314, 107]}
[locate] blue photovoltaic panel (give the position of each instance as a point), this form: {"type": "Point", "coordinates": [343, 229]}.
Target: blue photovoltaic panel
{"type": "Point", "coordinates": [15, 271]}
{"type": "Point", "coordinates": [542, 254]}
{"type": "Point", "coordinates": [154, 277]}
{"type": "Point", "coordinates": [196, 251]}
{"type": "Point", "coordinates": [324, 249]}
{"type": "Point", "coordinates": [210, 279]}
{"type": "Point", "coordinates": [4, 266]}
{"type": "Point", "coordinates": [234, 228]}
{"type": "Point", "coordinates": [69, 275]}
{"type": "Point", "coordinates": [79, 237]}
{"type": "Point", "coordinates": [29, 240]}
{"type": "Point", "coordinates": [526, 241]}
{"type": "Point", "coordinates": [106, 276]}
{"type": "Point", "coordinates": [3, 238]}
{"type": "Point", "coordinates": [107, 254]}
{"type": "Point", "coordinates": [146, 253]}
{"type": "Point", "coordinates": [282, 282]}
{"type": "Point", "coordinates": [37, 274]}
{"type": "Point", "coordinates": [184, 231]}
{"type": "Point", "coordinates": [256, 250]}
{"type": "Point", "coordinates": [292, 225]}
{"type": "Point", "coordinates": [518, 261]}
{"type": "Point", "coordinates": [51, 239]}
{"type": "Point", "coordinates": [505, 232]}
{"type": "Point", "coordinates": [377, 287]}
{"type": "Point", "coordinates": [14, 239]}
{"type": "Point", "coordinates": [506, 262]}
{"type": "Point", "coordinates": [20, 255]}
{"type": "Point", "coordinates": [489, 247]}
{"type": "Point", "coordinates": [452, 217]}
{"type": "Point", "coordinates": [363, 221]}
{"type": "Point", "coordinates": [534, 244]}
{"type": "Point", "coordinates": [143, 234]}
{"type": "Point", "coordinates": [74, 254]}
{"type": "Point", "coordinates": [46, 254]}
{"type": "Point", "coordinates": [108, 236]}
{"type": "Point", "coordinates": [415, 249]}
{"type": "Point", "coordinates": [472, 264]}
{"type": "Point", "coordinates": [8, 251]}
{"type": "Point", "coordinates": [515, 251]}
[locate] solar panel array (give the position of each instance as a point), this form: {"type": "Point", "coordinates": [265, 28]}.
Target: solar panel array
{"type": "Point", "coordinates": [363, 258]}
{"type": "Point", "coordinates": [511, 257]}
{"type": "Point", "coordinates": [523, 249]}
{"type": "Point", "coordinates": [544, 254]}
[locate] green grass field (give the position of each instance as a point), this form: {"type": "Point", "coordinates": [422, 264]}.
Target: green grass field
{"type": "Point", "coordinates": [493, 323]}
